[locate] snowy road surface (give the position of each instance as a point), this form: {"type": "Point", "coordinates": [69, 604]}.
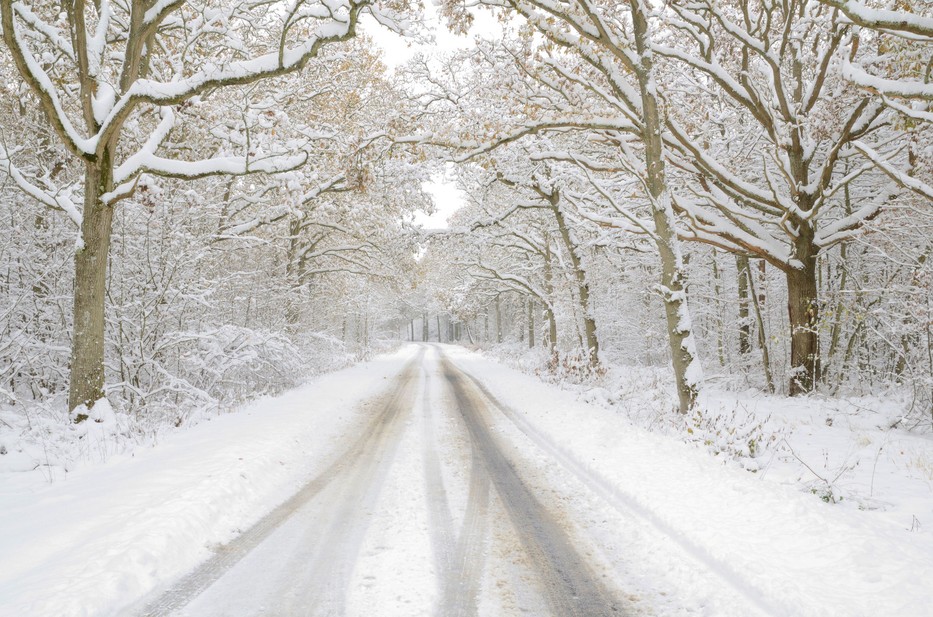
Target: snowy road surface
{"type": "Point", "coordinates": [434, 482]}
{"type": "Point", "coordinates": [473, 537]}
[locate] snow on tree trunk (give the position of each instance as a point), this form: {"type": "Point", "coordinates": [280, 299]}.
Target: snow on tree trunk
{"type": "Point", "coordinates": [293, 273]}
{"type": "Point", "coordinates": [686, 364]}
{"type": "Point", "coordinates": [745, 331]}
{"type": "Point", "coordinates": [590, 339]}
{"type": "Point", "coordinates": [531, 323]}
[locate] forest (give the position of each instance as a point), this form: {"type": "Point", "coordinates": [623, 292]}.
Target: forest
{"type": "Point", "coordinates": [206, 201]}
{"type": "Point", "coordinates": [466, 308]}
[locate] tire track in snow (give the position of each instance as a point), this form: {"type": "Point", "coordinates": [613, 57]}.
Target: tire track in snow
{"type": "Point", "coordinates": [569, 586]}
{"type": "Point", "coordinates": [462, 580]}
{"type": "Point", "coordinates": [228, 555]}
{"type": "Point", "coordinates": [439, 517]}
{"type": "Point", "coordinates": [330, 572]}
{"type": "Point", "coordinates": [459, 558]}
{"type": "Point", "coordinates": [626, 505]}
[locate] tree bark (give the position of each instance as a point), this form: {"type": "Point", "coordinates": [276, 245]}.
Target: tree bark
{"type": "Point", "coordinates": [531, 324]}
{"type": "Point", "coordinates": [498, 321]}
{"type": "Point", "coordinates": [843, 268]}
{"type": "Point", "coordinates": [293, 275]}
{"type": "Point", "coordinates": [87, 350]}
{"type": "Point", "coordinates": [686, 364]}
{"type": "Point", "coordinates": [803, 314]}
{"type": "Point", "coordinates": [745, 326]}
{"type": "Point", "coordinates": [549, 310]}
{"type": "Point", "coordinates": [717, 301]}
{"type": "Point", "coordinates": [757, 301]}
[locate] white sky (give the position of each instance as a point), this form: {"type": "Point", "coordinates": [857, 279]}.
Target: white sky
{"type": "Point", "coordinates": [397, 51]}
{"type": "Point", "coordinates": [447, 198]}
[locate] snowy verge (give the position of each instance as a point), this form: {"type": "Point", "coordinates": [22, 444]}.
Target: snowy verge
{"type": "Point", "coordinates": [104, 535]}
{"type": "Point", "coordinates": [853, 452]}
{"type": "Point", "coordinates": [220, 369]}
{"type": "Point", "coordinates": [792, 553]}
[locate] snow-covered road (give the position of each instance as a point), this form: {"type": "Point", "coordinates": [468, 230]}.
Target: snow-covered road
{"type": "Point", "coordinates": [435, 482]}
{"type": "Point", "coordinates": [427, 512]}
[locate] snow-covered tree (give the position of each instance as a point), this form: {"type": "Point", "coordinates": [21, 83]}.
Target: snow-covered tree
{"type": "Point", "coordinates": [118, 81]}
{"type": "Point", "coordinates": [604, 53]}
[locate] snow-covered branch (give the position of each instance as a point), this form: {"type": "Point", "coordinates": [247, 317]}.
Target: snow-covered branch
{"type": "Point", "coordinates": [58, 200]}
{"type": "Point", "coordinates": [892, 172]}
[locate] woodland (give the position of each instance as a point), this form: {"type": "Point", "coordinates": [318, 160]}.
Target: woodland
{"type": "Point", "coordinates": [205, 201]}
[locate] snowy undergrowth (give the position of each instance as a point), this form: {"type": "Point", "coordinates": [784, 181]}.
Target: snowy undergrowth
{"type": "Point", "coordinates": [227, 369]}
{"type": "Point", "coordinates": [850, 452]}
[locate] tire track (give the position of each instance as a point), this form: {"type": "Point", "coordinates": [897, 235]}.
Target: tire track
{"type": "Point", "coordinates": [569, 586]}
{"type": "Point", "coordinates": [330, 571]}
{"type": "Point", "coordinates": [459, 557]}
{"type": "Point", "coordinates": [439, 517]}
{"type": "Point", "coordinates": [353, 461]}
{"type": "Point", "coordinates": [462, 581]}
{"type": "Point", "coordinates": [625, 505]}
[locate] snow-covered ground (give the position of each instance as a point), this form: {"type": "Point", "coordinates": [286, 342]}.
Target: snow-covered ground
{"type": "Point", "coordinates": [104, 534]}
{"type": "Point", "coordinates": [851, 452]}
{"type": "Point", "coordinates": [787, 551]}
{"type": "Point", "coordinates": [688, 532]}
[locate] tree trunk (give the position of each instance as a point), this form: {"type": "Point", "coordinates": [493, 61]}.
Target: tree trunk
{"type": "Point", "coordinates": [745, 326]}
{"type": "Point", "coordinates": [293, 275]}
{"type": "Point", "coordinates": [531, 324]}
{"type": "Point", "coordinates": [583, 287]}
{"type": "Point", "coordinates": [686, 363]}
{"type": "Point", "coordinates": [87, 351]}
{"type": "Point", "coordinates": [717, 302]}
{"type": "Point", "coordinates": [548, 310]}
{"type": "Point", "coordinates": [836, 330]}
{"type": "Point", "coordinates": [803, 313]}
{"type": "Point", "coordinates": [762, 339]}
{"type": "Point", "coordinates": [438, 319]}
{"type": "Point", "coordinates": [498, 321]}
{"type": "Point", "coordinates": [425, 327]}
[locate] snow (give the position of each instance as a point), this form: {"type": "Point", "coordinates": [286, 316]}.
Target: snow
{"type": "Point", "coordinates": [105, 534]}
{"type": "Point", "coordinates": [894, 173]}
{"type": "Point", "coordinates": [103, 101]}
{"type": "Point", "coordinates": [897, 21]}
{"type": "Point", "coordinates": [891, 87]}
{"type": "Point", "coordinates": [61, 200]}
{"type": "Point", "coordinates": [53, 34]}
{"type": "Point", "coordinates": [684, 531]}
{"type": "Point", "coordinates": [782, 549]}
